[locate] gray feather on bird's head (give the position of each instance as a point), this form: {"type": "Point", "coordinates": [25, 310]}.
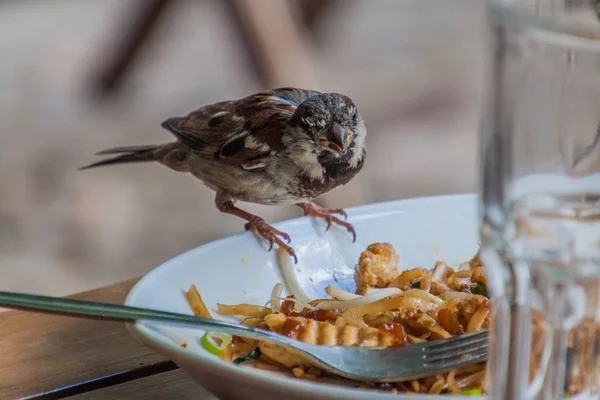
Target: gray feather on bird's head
{"type": "Point", "coordinates": [331, 120]}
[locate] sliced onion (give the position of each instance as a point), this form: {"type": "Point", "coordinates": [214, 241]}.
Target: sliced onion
{"type": "Point", "coordinates": [464, 267]}
{"type": "Point", "coordinates": [299, 305]}
{"type": "Point", "coordinates": [421, 294]}
{"type": "Point", "coordinates": [415, 339]}
{"type": "Point", "coordinates": [451, 295]}
{"type": "Point", "coordinates": [352, 319]}
{"type": "Point", "coordinates": [276, 297]}
{"type": "Point", "coordinates": [289, 278]}
{"type": "Point", "coordinates": [371, 290]}
{"type": "Point", "coordinates": [460, 280]}
{"type": "Point", "coordinates": [425, 283]}
{"type": "Point", "coordinates": [439, 272]}
{"type": "Point", "coordinates": [340, 294]}
{"type": "Point", "coordinates": [360, 301]}
{"type": "Point", "coordinates": [430, 324]}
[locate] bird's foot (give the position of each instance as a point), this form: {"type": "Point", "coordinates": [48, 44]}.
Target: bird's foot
{"type": "Point", "coordinates": [313, 210]}
{"type": "Point", "coordinates": [271, 235]}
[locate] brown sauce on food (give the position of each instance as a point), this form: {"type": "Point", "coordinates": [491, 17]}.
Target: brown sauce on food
{"type": "Point", "coordinates": [321, 315]}
{"type": "Point", "coordinates": [396, 330]}
{"type": "Point", "coordinates": [287, 308]}
{"type": "Point", "coordinates": [291, 328]}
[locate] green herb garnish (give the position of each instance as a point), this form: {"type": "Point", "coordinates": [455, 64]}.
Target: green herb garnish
{"type": "Point", "coordinates": [472, 392]}
{"type": "Point", "coordinates": [445, 391]}
{"type": "Point", "coordinates": [481, 289]}
{"type": "Point", "coordinates": [253, 355]}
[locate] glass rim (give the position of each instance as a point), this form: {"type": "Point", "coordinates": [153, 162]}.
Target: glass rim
{"type": "Point", "coordinates": [570, 33]}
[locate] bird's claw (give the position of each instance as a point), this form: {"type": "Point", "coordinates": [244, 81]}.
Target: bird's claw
{"type": "Point", "coordinates": [338, 211]}
{"type": "Point", "coordinates": [285, 236]}
{"type": "Point", "coordinates": [271, 242]}
{"type": "Point", "coordinates": [348, 227]}
{"type": "Point", "coordinates": [271, 235]}
{"type": "Point", "coordinates": [328, 215]}
{"type": "Point", "coordinates": [329, 220]}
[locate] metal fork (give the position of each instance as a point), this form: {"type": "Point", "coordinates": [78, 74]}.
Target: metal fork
{"type": "Point", "coordinates": [371, 364]}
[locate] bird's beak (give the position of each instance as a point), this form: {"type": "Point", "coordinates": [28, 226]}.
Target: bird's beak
{"type": "Point", "coordinates": [337, 138]}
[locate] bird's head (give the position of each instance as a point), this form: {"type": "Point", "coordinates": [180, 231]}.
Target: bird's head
{"type": "Point", "coordinates": [331, 123]}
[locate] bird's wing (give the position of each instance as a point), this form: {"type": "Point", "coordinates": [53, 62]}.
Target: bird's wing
{"type": "Point", "coordinates": [243, 132]}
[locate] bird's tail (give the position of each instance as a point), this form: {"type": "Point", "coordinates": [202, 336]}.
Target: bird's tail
{"type": "Point", "coordinates": [129, 154]}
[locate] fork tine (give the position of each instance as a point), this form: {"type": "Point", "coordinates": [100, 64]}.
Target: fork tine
{"type": "Point", "coordinates": [456, 348]}
{"type": "Point", "coordinates": [466, 349]}
{"type": "Point", "coordinates": [457, 341]}
{"type": "Point", "coordinates": [473, 358]}
{"type": "Point", "coordinates": [459, 338]}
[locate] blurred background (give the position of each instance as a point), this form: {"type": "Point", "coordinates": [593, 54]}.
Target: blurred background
{"type": "Point", "coordinates": [78, 76]}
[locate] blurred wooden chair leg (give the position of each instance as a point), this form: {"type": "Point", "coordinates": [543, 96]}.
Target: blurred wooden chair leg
{"type": "Point", "coordinates": [313, 11]}
{"type": "Point", "coordinates": [138, 26]}
{"type": "Point", "coordinates": [278, 48]}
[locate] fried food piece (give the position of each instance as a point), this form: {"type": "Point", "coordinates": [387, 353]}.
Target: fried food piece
{"type": "Point", "coordinates": [461, 281]}
{"type": "Point", "coordinates": [409, 277]}
{"type": "Point", "coordinates": [439, 278]}
{"type": "Point", "coordinates": [377, 267]}
{"type": "Point", "coordinates": [317, 332]}
{"type": "Point", "coordinates": [196, 303]}
{"type": "Point", "coordinates": [475, 261]}
{"type": "Point", "coordinates": [455, 315]}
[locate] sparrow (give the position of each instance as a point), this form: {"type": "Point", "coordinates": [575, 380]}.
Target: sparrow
{"type": "Point", "coordinates": [282, 146]}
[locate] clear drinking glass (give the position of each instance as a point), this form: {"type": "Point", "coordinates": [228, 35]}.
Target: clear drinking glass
{"type": "Point", "coordinates": [540, 199]}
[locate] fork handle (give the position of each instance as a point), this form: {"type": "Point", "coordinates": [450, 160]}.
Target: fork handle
{"type": "Point", "coordinates": [120, 313]}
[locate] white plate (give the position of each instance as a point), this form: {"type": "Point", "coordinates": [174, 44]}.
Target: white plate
{"type": "Point", "coordinates": [237, 269]}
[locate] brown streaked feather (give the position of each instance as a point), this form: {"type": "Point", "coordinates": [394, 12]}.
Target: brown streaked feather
{"type": "Point", "coordinates": [127, 149]}
{"type": "Point", "coordinates": [131, 154]}
{"type": "Point", "coordinates": [243, 132]}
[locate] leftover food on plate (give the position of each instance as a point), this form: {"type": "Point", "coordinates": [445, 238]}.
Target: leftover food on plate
{"type": "Point", "coordinates": [390, 308]}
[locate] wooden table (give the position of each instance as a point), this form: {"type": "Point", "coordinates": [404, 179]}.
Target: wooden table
{"type": "Point", "coordinates": [51, 357]}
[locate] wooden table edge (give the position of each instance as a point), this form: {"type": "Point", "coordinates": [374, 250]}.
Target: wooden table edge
{"type": "Point", "coordinates": [114, 293]}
